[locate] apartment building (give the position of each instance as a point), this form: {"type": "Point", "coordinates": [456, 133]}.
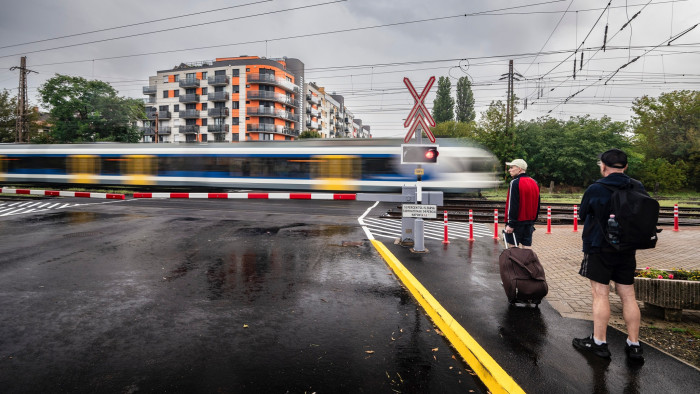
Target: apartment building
{"type": "Point", "coordinates": [245, 98]}
{"type": "Point", "coordinates": [327, 114]}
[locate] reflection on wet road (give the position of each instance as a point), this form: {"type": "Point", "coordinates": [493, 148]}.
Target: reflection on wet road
{"type": "Point", "coordinates": [152, 296]}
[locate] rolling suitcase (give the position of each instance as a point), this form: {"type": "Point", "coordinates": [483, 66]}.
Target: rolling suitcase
{"type": "Point", "coordinates": [522, 275]}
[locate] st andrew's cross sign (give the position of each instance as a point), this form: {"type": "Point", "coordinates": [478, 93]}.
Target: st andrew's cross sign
{"type": "Point", "coordinates": [419, 114]}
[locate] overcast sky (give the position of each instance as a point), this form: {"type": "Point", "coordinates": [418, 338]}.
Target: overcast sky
{"type": "Point", "coordinates": [363, 49]}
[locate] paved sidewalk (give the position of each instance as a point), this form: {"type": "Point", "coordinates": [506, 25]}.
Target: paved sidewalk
{"type": "Point", "coordinates": [570, 293]}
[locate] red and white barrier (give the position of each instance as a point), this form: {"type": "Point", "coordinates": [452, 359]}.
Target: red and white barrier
{"type": "Point", "coordinates": [495, 224]}
{"type": "Point", "coordinates": [250, 196]}
{"type": "Point", "coordinates": [549, 220]}
{"type": "Point", "coordinates": [57, 193]}
{"type": "Point", "coordinates": [675, 218]}
{"type": "Point", "coordinates": [471, 226]}
{"type": "Point", "coordinates": [445, 241]}
{"type": "Point", "coordinates": [575, 218]}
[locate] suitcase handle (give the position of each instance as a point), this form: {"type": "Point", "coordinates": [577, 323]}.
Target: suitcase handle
{"type": "Point", "coordinates": [506, 242]}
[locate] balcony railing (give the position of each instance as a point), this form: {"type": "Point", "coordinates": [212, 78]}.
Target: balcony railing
{"type": "Point", "coordinates": [189, 113]}
{"type": "Point", "coordinates": [189, 83]}
{"type": "Point", "coordinates": [272, 96]}
{"type": "Point", "coordinates": [189, 98]}
{"type": "Point", "coordinates": [218, 112]}
{"type": "Point", "coordinates": [218, 80]}
{"type": "Point", "coordinates": [272, 80]}
{"type": "Point", "coordinates": [189, 129]}
{"type": "Point", "coordinates": [312, 125]}
{"type": "Point", "coordinates": [218, 128]}
{"type": "Point", "coordinates": [276, 113]}
{"type": "Point", "coordinates": [217, 96]}
{"type": "Point", "coordinates": [313, 99]}
{"type": "Point", "coordinates": [150, 90]}
{"type": "Point", "coordinates": [270, 128]}
{"type": "Point", "coordinates": [163, 130]}
{"type": "Point", "coordinates": [149, 100]}
{"type": "Point", "coordinates": [151, 115]}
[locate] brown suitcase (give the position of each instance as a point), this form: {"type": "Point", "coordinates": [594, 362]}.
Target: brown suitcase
{"type": "Point", "coordinates": [522, 275]}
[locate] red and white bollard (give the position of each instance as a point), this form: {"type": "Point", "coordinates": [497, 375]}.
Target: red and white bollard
{"type": "Point", "coordinates": [495, 224]}
{"type": "Point", "coordinates": [675, 218]}
{"type": "Point", "coordinates": [549, 220]}
{"type": "Point", "coordinates": [575, 218]}
{"type": "Point", "coordinates": [445, 241]}
{"type": "Point", "coordinates": [471, 226]}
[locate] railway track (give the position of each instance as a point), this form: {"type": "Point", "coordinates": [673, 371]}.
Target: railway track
{"type": "Point", "coordinates": [458, 210]}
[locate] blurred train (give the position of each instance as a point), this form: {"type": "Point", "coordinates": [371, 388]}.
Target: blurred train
{"type": "Point", "coordinates": [336, 165]}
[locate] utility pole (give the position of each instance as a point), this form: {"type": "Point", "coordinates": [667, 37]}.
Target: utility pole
{"type": "Point", "coordinates": [21, 125]}
{"type": "Point", "coordinates": [156, 130]}
{"type": "Point", "coordinates": [510, 100]}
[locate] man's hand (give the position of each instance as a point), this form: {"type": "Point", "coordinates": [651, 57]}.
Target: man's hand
{"type": "Point", "coordinates": [509, 229]}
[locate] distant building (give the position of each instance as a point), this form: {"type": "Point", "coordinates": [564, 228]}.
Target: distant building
{"type": "Point", "coordinates": [237, 99]}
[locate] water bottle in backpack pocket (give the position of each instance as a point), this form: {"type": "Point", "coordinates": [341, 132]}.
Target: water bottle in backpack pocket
{"type": "Point", "coordinates": [633, 219]}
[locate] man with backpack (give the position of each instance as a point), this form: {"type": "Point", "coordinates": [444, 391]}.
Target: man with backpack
{"type": "Point", "coordinates": [609, 245]}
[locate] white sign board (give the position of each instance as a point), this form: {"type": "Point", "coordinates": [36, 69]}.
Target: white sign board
{"type": "Point", "coordinates": [419, 211]}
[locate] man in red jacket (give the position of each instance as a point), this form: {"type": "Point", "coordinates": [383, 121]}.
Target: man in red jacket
{"type": "Point", "coordinates": [522, 205]}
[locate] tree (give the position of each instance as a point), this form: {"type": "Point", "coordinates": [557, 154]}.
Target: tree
{"type": "Point", "coordinates": [8, 116]}
{"type": "Point", "coordinates": [669, 128]}
{"type": "Point", "coordinates": [454, 129]}
{"type": "Point", "coordinates": [309, 134]}
{"type": "Point", "coordinates": [87, 111]}
{"type": "Point", "coordinates": [465, 100]}
{"type": "Point", "coordinates": [443, 105]}
{"type": "Point", "coordinates": [565, 151]}
{"type": "Point", "coordinates": [492, 132]}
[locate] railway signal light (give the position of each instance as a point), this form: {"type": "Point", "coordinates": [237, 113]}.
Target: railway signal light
{"type": "Point", "coordinates": [419, 154]}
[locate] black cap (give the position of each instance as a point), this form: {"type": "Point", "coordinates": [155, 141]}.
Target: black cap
{"type": "Point", "coordinates": [614, 158]}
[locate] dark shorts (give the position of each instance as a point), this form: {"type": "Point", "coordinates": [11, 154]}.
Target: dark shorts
{"type": "Point", "coordinates": [604, 267]}
{"type": "Point", "coordinates": [523, 234]}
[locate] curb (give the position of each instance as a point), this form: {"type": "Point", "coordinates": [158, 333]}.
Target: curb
{"type": "Point", "coordinates": [56, 193]}
{"type": "Point", "coordinates": [486, 368]}
{"type": "Point", "coordinates": [251, 196]}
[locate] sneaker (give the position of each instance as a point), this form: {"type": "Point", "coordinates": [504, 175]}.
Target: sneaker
{"type": "Point", "coordinates": [588, 344]}
{"type": "Point", "coordinates": [634, 353]}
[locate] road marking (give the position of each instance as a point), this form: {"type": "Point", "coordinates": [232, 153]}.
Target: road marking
{"type": "Point", "coordinates": [433, 229]}
{"type": "Point", "coordinates": [19, 208]}
{"type": "Point", "coordinates": [494, 377]}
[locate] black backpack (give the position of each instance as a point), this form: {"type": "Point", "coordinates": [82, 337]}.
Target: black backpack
{"type": "Point", "coordinates": [637, 215]}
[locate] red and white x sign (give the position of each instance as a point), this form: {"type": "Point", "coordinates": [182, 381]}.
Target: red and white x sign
{"type": "Point", "coordinates": [419, 113]}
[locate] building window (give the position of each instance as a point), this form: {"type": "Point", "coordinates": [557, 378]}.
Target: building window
{"type": "Point", "coordinates": [234, 121]}
{"type": "Point", "coordinates": [236, 89]}
{"type": "Point", "coordinates": [176, 108]}
{"type": "Point", "coordinates": [218, 89]}
{"type": "Point", "coordinates": [177, 93]}
{"type": "Point", "coordinates": [163, 108]}
{"type": "Point", "coordinates": [204, 90]}
{"type": "Point", "coordinates": [177, 77]}
{"type": "Point", "coordinates": [191, 91]}
{"type": "Point", "coordinates": [220, 72]}
{"type": "Point", "coordinates": [165, 79]}
{"type": "Point", "coordinates": [204, 75]}
{"type": "Point", "coordinates": [235, 72]}
{"type": "Point", "coordinates": [235, 104]}
{"type": "Point", "coordinates": [204, 106]}
{"type": "Point", "coordinates": [204, 122]}
{"type": "Point", "coordinates": [190, 76]}
{"type": "Point", "coordinates": [247, 70]}
{"type": "Point", "coordinates": [204, 138]}
{"type": "Point", "coordinates": [165, 94]}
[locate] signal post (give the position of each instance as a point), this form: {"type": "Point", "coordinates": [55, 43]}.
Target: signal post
{"type": "Point", "coordinates": [417, 204]}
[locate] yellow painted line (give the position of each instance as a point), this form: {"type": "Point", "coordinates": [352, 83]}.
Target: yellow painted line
{"type": "Point", "coordinates": [486, 368]}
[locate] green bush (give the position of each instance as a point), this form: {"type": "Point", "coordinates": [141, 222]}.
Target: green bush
{"type": "Point", "coordinates": [670, 177]}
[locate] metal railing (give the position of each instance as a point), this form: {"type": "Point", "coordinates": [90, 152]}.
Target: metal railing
{"type": "Point", "coordinates": [189, 98]}
{"type": "Point", "coordinates": [218, 112]}
{"type": "Point", "coordinates": [189, 129]}
{"type": "Point", "coordinates": [217, 96]}
{"type": "Point", "coordinates": [150, 90]}
{"type": "Point", "coordinates": [189, 113]}
{"type": "Point", "coordinates": [189, 83]}
{"type": "Point", "coordinates": [218, 80]}
{"type": "Point", "coordinates": [272, 80]}
{"type": "Point", "coordinates": [218, 128]}
{"type": "Point", "coordinates": [277, 113]}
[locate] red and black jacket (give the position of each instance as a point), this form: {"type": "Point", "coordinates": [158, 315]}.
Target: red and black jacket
{"type": "Point", "coordinates": [523, 200]}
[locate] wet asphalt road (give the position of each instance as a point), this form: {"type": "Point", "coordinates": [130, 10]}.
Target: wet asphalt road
{"type": "Point", "coordinates": [210, 296]}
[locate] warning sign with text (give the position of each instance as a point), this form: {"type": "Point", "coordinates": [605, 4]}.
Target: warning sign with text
{"type": "Point", "coordinates": [419, 211]}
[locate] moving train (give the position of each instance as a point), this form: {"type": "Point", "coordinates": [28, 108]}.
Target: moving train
{"type": "Point", "coordinates": [335, 165]}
